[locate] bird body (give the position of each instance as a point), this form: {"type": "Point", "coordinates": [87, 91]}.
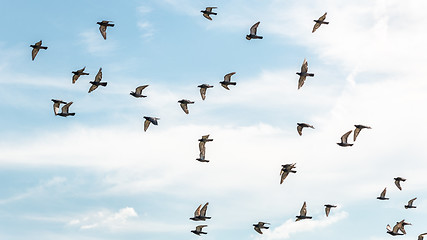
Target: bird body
{"type": "Point", "coordinates": [328, 208]}
{"type": "Point", "coordinates": [410, 203]}
{"type": "Point", "coordinates": [227, 80]}
{"type": "Point", "coordinates": [203, 89]}
{"type": "Point", "coordinates": [78, 73]}
{"type": "Point", "coordinates": [97, 82]}
{"type": "Point", "coordinates": [138, 92]}
{"type": "Point", "coordinates": [184, 105]}
{"type": "Point", "coordinates": [303, 213]}
{"type": "Point", "coordinates": [303, 74]}
{"type": "Point", "coordinates": [319, 22]}
{"type": "Point", "coordinates": [358, 129]}
{"type": "Point", "coordinates": [36, 47]}
{"type": "Point", "coordinates": [207, 12]}
{"type": "Point", "coordinates": [382, 195]}
{"type": "Point", "coordinates": [103, 27]}
{"type": "Point", "coordinates": [252, 34]}
{"type": "Point", "coordinates": [259, 226]}
{"type": "Point", "coordinates": [301, 126]}
{"type": "Point", "coordinates": [199, 230]}
{"type": "Point", "coordinates": [344, 138]}
{"type": "Point", "coordinates": [149, 120]}
{"type": "Point", "coordinates": [397, 182]}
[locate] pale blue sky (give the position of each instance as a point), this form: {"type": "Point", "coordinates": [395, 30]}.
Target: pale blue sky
{"type": "Point", "coordinates": [98, 175]}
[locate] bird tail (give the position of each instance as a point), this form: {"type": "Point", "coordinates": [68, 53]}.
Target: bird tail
{"type": "Point", "coordinates": [232, 83]}
{"type": "Point", "coordinates": [72, 114]}
{"type": "Point", "coordinates": [325, 22]}
{"type": "Point", "coordinates": [310, 74]}
{"type": "Point", "coordinates": [103, 84]}
{"type": "Point", "coordinates": [259, 37]}
{"type": "Point", "coordinates": [214, 13]}
{"type": "Point", "coordinates": [85, 73]}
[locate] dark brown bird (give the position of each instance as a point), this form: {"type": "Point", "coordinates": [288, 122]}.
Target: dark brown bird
{"type": "Point", "coordinates": [286, 169]}
{"type": "Point", "coordinates": [410, 203]}
{"type": "Point", "coordinates": [184, 105]}
{"type": "Point", "coordinates": [303, 74]}
{"type": "Point", "coordinates": [207, 12]}
{"type": "Point", "coordinates": [138, 92]}
{"type": "Point", "coordinates": [97, 82]}
{"type": "Point", "coordinates": [358, 129]}
{"type": "Point", "coordinates": [319, 22]}
{"type": "Point", "coordinates": [301, 126]}
{"type": "Point", "coordinates": [78, 73]}
{"type": "Point", "coordinates": [103, 27]}
{"type": "Point", "coordinates": [227, 80]}
{"type": "Point", "coordinates": [382, 195]}
{"type": "Point", "coordinates": [344, 138]}
{"type": "Point", "coordinates": [252, 34]}
{"type": "Point", "coordinates": [203, 89]}
{"type": "Point", "coordinates": [200, 214]}
{"type": "Point", "coordinates": [149, 120]}
{"type": "Point", "coordinates": [199, 230]}
{"type": "Point", "coordinates": [259, 226]}
{"type": "Point", "coordinates": [328, 209]}
{"type": "Point", "coordinates": [303, 213]}
{"type": "Point", "coordinates": [36, 47]}
{"type": "Point", "coordinates": [397, 182]}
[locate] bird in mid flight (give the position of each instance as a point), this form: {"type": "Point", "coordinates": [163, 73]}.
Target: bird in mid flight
{"type": "Point", "coordinates": [410, 203]}
{"type": "Point", "coordinates": [203, 89]}
{"type": "Point", "coordinates": [328, 208]}
{"type": "Point", "coordinates": [382, 195]}
{"type": "Point", "coordinates": [397, 181]}
{"type": "Point", "coordinates": [138, 92]}
{"type": "Point", "coordinates": [97, 82]}
{"type": "Point", "coordinates": [395, 230]}
{"type": "Point", "coordinates": [207, 12]}
{"type": "Point", "coordinates": [64, 111]}
{"type": "Point", "coordinates": [286, 169]}
{"type": "Point", "coordinates": [103, 27]}
{"type": "Point", "coordinates": [303, 74]}
{"type": "Point", "coordinates": [259, 226]}
{"type": "Point", "coordinates": [303, 213]}
{"type": "Point", "coordinates": [199, 230]}
{"type": "Point", "coordinates": [56, 104]}
{"type": "Point", "coordinates": [344, 138]}
{"type": "Point", "coordinates": [184, 104]}
{"type": "Point", "coordinates": [200, 213]}
{"type": "Point", "coordinates": [36, 47]}
{"type": "Point", "coordinates": [202, 143]}
{"type": "Point", "coordinates": [358, 129]}
{"type": "Point", "coordinates": [227, 80]}
{"type": "Point", "coordinates": [149, 120]}
{"type": "Point", "coordinates": [319, 22]}
{"type": "Point", "coordinates": [301, 126]}
{"type": "Point", "coordinates": [78, 73]}
{"type": "Point", "coordinates": [252, 34]}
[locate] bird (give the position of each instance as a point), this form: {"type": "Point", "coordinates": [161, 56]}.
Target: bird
{"type": "Point", "coordinates": [252, 34]}
{"type": "Point", "coordinates": [301, 126]}
{"type": "Point", "coordinates": [259, 226]}
{"type": "Point", "coordinates": [138, 91]}
{"type": "Point", "coordinates": [199, 230]}
{"type": "Point", "coordinates": [56, 104]}
{"type": "Point", "coordinates": [78, 73]}
{"type": "Point", "coordinates": [203, 89]}
{"type": "Point", "coordinates": [303, 74]}
{"type": "Point", "coordinates": [184, 105]}
{"type": "Point", "coordinates": [344, 138]}
{"type": "Point", "coordinates": [200, 214]}
{"type": "Point", "coordinates": [149, 120]}
{"type": "Point", "coordinates": [64, 111]}
{"type": "Point", "coordinates": [402, 226]}
{"type": "Point", "coordinates": [303, 213]}
{"type": "Point", "coordinates": [395, 229]}
{"type": "Point", "coordinates": [382, 195]}
{"type": "Point", "coordinates": [358, 129]}
{"type": "Point", "coordinates": [202, 157]}
{"type": "Point", "coordinates": [286, 169]}
{"type": "Point", "coordinates": [227, 80]}
{"type": "Point", "coordinates": [328, 208]}
{"type": "Point", "coordinates": [410, 203]}
{"type": "Point", "coordinates": [202, 142]}
{"type": "Point", "coordinates": [97, 82]}
{"type": "Point", "coordinates": [207, 12]}
{"type": "Point", "coordinates": [397, 182]}
{"type": "Point", "coordinates": [421, 236]}
{"type": "Point", "coordinates": [103, 27]}
{"type": "Point", "coordinates": [319, 22]}
{"type": "Point", "coordinates": [36, 47]}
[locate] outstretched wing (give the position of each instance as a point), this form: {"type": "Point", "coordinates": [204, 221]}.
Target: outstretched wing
{"type": "Point", "coordinates": [254, 28]}
{"type": "Point", "coordinates": [207, 16]}
{"type": "Point", "coordinates": [327, 211]}
{"type": "Point", "coordinates": [304, 66]}
{"type": "Point", "coordinates": [301, 81]}
{"type": "Point", "coordinates": [204, 209]}
{"type": "Point", "coordinates": [421, 236]}
{"type": "Point", "coordinates": [98, 76]}
{"type": "Point", "coordinates": [203, 93]}
{"type": "Point", "coordinates": [345, 136]}
{"type": "Point", "coordinates": [382, 195]}
{"type": "Point", "coordinates": [197, 212]}
{"type": "Point", "coordinates": [356, 133]}
{"type": "Point", "coordinates": [65, 107]}
{"type": "Point", "coordinates": [209, 9]}
{"type": "Point", "coordinates": [93, 87]}
{"type": "Point", "coordinates": [227, 77]}
{"type": "Point", "coordinates": [139, 89]}
{"type": "Point", "coordinates": [184, 107]}
{"type": "Point", "coordinates": [397, 182]}
{"type": "Point", "coordinates": [315, 27]}
{"type": "Point", "coordinates": [103, 30]}
{"type": "Point", "coordinates": [411, 201]}
{"type": "Point", "coordinates": [299, 129]}
{"type": "Point", "coordinates": [303, 211]}
{"type": "Point", "coordinates": [323, 17]}
{"type": "Point", "coordinates": [34, 53]}
{"type": "Point", "coordinates": [258, 229]}
{"type": "Point", "coordinates": [200, 227]}
{"type": "Point", "coordinates": [202, 147]}
{"type": "Point", "coordinates": [284, 175]}
{"type": "Point", "coordinates": [146, 124]}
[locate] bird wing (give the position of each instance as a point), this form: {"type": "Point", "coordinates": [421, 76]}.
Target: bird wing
{"type": "Point", "coordinates": [197, 212]}
{"type": "Point", "coordinates": [327, 210]}
{"type": "Point", "coordinates": [39, 43]}
{"type": "Point", "coordinates": [209, 9]}
{"type": "Point", "coordinates": [301, 81]}
{"type": "Point", "coordinates": [397, 182]}
{"type": "Point", "coordinates": [254, 28]}
{"type": "Point", "coordinates": [139, 89]}
{"type": "Point", "coordinates": [205, 136]}
{"type": "Point", "coordinates": [383, 193]}
{"type": "Point", "coordinates": [303, 211]}
{"type": "Point", "coordinates": [200, 227]}
{"type": "Point", "coordinates": [204, 209]}
{"type": "Point", "coordinates": [421, 236]}
{"type": "Point", "coordinates": [146, 124]}
{"type": "Point", "coordinates": [65, 107]}
{"type": "Point", "coordinates": [227, 77]}
{"type": "Point", "coordinates": [225, 86]}
{"type": "Point", "coordinates": [34, 53]}
{"type": "Point", "coordinates": [284, 175]}
{"type": "Point", "coordinates": [207, 16]}
{"type": "Point", "coordinates": [98, 76]}
{"type": "Point", "coordinates": [356, 133]}
{"type": "Point", "coordinates": [304, 66]}
{"type": "Point", "coordinates": [345, 136]}
{"type": "Point", "coordinates": [388, 228]}
{"type": "Point", "coordinates": [323, 17]}
{"type": "Point", "coordinates": [184, 107]}
{"type": "Point", "coordinates": [75, 77]}
{"type": "Point", "coordinates": [202, 148]}
{"type": "Point", "coordinates": [203, 93]}
{"type": "Point", "coordinates": [397, 227]}
{"type": "Point", "coordinates": [258, 229]}
{"type": "Point", "coordinates": [103, 30]}
{"type": "Point", "coordinates": [93, 87]}
{"type": "Point", "coordinates": [56, 107]}
{"type": "Point", "coordinates": [411, 201]}
{"type": "Point", "coordinates": [315, 27]}
{"type": "Point", "coordinates": [299, 129]}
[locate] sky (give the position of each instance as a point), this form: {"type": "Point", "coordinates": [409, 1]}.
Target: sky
{"type": "Point", "coordinates": [98, 175]}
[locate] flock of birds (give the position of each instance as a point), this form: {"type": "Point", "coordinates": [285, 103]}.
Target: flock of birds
{"type": "Point", "coordinates": [200, 213]}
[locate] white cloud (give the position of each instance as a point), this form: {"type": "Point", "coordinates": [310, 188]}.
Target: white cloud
{"type": "Point", "coordinates": [105, 219]}
{"type": "Point", "coordinates": [95, 44]}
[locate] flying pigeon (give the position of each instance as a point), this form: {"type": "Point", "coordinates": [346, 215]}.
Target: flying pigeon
{"type": "Point", "coordinates": [421, 236]}
{"type": "Point", "coordinates": [103, 27]}
{"type": "Point", "coordinates": [199, 230]}
{"type": "Point", "coordinates": [56, 104]}
{"type": "Point", "coordinates": [328, 209]}
{"type": "Point", "coordinates": [286, 169]}
{"type": "Point", "coordinates": [36, 47]}
{"type": "Point", "coordinates": [397, 182]}
{"type": "Point", "coordinates": [207, 12]}
{"type": "Point", "coordinates": [252, 34]}
{"type": "Point", "coordinates": [358, 129]}
{"type": "Point", "coordinates": [344, 138]}
{"type": "Point", "coordinates": [78, 73]}
{"type": "Point", "coordinates": [203, 89]}
{"type": "Point", "coordinates": [227, 80]}
{"type": "Point", "coordinates": [149, 120]}
{"type": "Point", "coordinates": [395, 230]}
{"type": "Point", "coordinates": [138, 92]}
{"type": "Point", "coordinates": [184, 103]}
{"type": "Point", "coordinates": [382, 195]}
{"type": "Point", "coordinates": [259, 226]}
{"type": "Point", "coordinates": [200, 215]}
{"type": "Point", "coordinates": [64, 111]}
{"type": "Point", "coordinates": [303, 213]}
{"type": "Point", "coordinates": [410, 203]}
{"type": "Point", "coordinates": [319, 22]}
{"type": "Point", "coordinates": [303, 74]}
{"type": "Point", "coordinates": [202, 142]}
{"type": "Point", "coordinates": [301, 126]}
{"type": "Point", "coordinates": [97, 82]}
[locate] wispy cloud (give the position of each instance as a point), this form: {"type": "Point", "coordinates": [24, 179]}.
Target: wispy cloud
{"type": "Point", "coordinates": [95, 44]}
{"type": "Point", "coordinates": [105, 219]}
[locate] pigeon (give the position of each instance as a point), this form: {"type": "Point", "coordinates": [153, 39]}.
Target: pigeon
{"type": "Point", "coordinates": [421, 236]}
{"type": "Point", "coordinates": [286, 169]}
{"type": "Point", "coordinates": [259, 226]}
{"type": "Point", "coordinates": [303, 74]}
{"type": "Point", "coordinates": [410, 203]}
{"type": "Point", "coordinates": [200, 215]}
{"type": "Point", "coordinates": [319, 22]}
{"type": "Point", "coordinates": [138, 92]}
{"type": "Point", "coordinates": [344, 138]}
{"type": "Point", "coordinates": [56, 104]}
{"type": "Point", "coordinates": [395, 229]}
{"type": "Point", "coordinates": [149, 120]}
{"type": "Point", "coordinates": [78, 73]}
{"type": "Point", "coordinates": [199, 230]}
{"type": "Point", "coordinates": [64, 111]}
{"type": "Point", "coordinates": [328, 209]}
{"type": "Point", "coordinates": [97, 82]}
{"type": "Point", "coordinates": [207, 12]}
{"type": "Point", "coordinates": [301, 126]}
{"type": "Point", "coordinates": [36, 47]}
{"type": "Point", "coordinates": [202, 157]}
{"type": "Point", "coordinates": [184, 103]}
{"type": "Point", "coordinates": [303, 213]}
{"type": "Point", "coordinates": [227, 80]}
{"type": "Point", "coordinates": [252, 34]}
{"type": "Point", "coordinates": [103, 27]}
{"type": "Point", "coordinates": [397, 182]}
{"type": "Point", "coordinates": [203, 89]}
{"type": "Point", "coordinates": [382, 195]}
{"type": "Point", "coordinates": [358, 129]}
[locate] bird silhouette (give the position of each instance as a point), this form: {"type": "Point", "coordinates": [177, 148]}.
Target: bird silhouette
{"type": "Point", "coordinates": [149, 120]}
{"type": "Point", "coordinates": [202, 148]}
{"type": "Point", "coordinates": [36, 47]}
{"type": "Point", "coordinates": [252, 34]}
{"type": "Point", "coordinates": [138, 92]}
{"type": "Point", "coordinates": [397, 181]}
{"type": "Point", "coordinates": [203, 89]}
{"type": "Point", "coordinates": [199, 230]}
{"type": "Point", "coordinates": [410, 203]}
{"type": "Point", "coordinates": [395, 230]}
{"type": "Point", "coordinates": [382, 195]}
{"type": "Point", "coordinates": [301, 126]}
{"type": "Point", "coordinates": [328, 208]}
{"type": "Point", "coordinates": [78, 73]}
{"type": "Point", "coordinates": [319, 22]}
{"type": "Point", "coordinates": [344, 138]}
{"type": "Point", "coordinates": [358, 129]}
{"type": "Point", "coordinates": [303, 74]}
{"type": "Point", "coordinates": [303, 213]}
{"type": "Point", "coordinates": [200, 213]}
{"type": "Point", "coordinates": [259, 226]}
{"type": "Point", "coordinates": [56, 104]}
{"type": "Point", "coordinates": [227, 80]}
{"type": "Point", "coordinates": [207, 12]}
{"type": "Point", "coordinates": [184, 105]}
{"type": "Point", "coordinates": [286, 169]}
{"type": "Point", "coordinates": [97, 82]}
{"type": "Point", "coordinates": [64, 111]}
{"type": "Point", "coordinates": [103, 27]}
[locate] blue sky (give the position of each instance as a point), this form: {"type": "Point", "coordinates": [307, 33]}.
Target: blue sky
{"type": "Point", "coordinates": [98, 175]}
